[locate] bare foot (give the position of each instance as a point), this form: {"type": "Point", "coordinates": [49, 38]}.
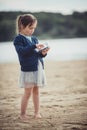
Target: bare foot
{"type": "Point", "coordinates": [24, 117]}
{"type": "Point", "coordinates": [38, 116]}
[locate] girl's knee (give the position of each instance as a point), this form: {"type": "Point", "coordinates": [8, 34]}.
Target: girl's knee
{"type": "Point", "coordinates": [36, 90]}
{"type": "Point", "coordinates": [28, 92]}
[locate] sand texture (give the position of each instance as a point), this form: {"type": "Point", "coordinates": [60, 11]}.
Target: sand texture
{"type": "Point", "coordinates": [63, 100]}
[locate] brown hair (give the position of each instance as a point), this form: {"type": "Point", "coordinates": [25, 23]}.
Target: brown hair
{"type": "Point", "coordinates": [24, 20]}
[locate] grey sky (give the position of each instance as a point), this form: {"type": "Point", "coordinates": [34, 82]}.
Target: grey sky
{"type": "Point", "coordinates": [63, 6]}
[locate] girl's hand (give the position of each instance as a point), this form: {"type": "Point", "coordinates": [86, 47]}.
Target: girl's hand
{"type": "Point", "coordinates": [39, 46]}
{"type": "Point", "coordinates": [44, 52]}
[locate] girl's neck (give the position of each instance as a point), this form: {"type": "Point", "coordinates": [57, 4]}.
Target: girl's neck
{"type": "Point", "coordinates": [23, 33]}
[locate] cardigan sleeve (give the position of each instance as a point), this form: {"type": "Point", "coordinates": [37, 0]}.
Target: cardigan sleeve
{"type": "Point", "coordinates": [41, 55]}
{"type": "Point", "coordinates": [23, 50]}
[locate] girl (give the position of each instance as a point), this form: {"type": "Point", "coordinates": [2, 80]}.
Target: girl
{"type": "Point", "coordinates": [31, 62]}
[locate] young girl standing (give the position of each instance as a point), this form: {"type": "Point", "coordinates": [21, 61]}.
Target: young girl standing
{"type": "Point", "coordinates": [31, 62]}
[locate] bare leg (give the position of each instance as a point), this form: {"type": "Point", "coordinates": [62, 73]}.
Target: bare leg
{"type": "Point", "coordinates": [24, 102]}
{"type": "Point", "coordinates": [36, 102]}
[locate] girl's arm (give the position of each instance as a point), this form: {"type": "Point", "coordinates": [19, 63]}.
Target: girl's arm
{"type": "Point", "coordinates": [23, 50]}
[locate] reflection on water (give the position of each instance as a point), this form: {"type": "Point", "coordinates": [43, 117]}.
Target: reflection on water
{"type": "Point", "coordinates": [61, 49]}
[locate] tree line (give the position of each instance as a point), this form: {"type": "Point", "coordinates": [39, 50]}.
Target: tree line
{"type": "Point", "coordinates": [50, 25]}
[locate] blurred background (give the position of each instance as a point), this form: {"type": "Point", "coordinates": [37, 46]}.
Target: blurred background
{"type": "Point", "coordinates": [61, 23]}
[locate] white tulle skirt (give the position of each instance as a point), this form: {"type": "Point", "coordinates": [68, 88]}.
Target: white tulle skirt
{"type": "Point", "coordinates": [34, 78]}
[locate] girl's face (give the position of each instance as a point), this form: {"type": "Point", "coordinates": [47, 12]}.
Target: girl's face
{"type": "Point", "coordinates": [29, 30]}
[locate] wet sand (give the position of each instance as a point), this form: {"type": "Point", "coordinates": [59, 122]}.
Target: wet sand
{"type": "Point", "coordinates": [63, 100]}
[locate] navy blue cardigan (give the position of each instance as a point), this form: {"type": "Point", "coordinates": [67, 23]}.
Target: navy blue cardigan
{"type": "Point", "coordinates": [28, 56]}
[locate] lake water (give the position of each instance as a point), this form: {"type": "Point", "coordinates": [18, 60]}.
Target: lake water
{"type": "Point", "coordinates": [61, 49]}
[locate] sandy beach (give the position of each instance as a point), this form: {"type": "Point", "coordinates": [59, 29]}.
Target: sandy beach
{"type": "Point", "coordinates": [63, 100]}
